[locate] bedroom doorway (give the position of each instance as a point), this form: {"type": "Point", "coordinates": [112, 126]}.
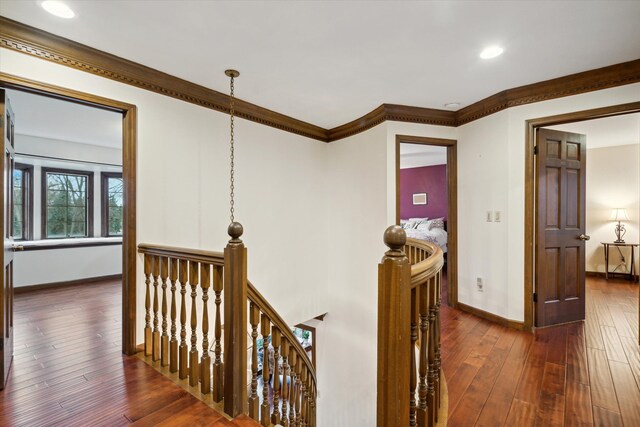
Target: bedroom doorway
{"type": "Point", "coordinates": [426, 199]}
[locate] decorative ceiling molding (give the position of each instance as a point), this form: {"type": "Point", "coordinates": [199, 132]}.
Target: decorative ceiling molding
{"type": "Point", "coordinates": [393, 112]}
{"type": "Point", "coordinates": [573, 84]}
{"type": "Point", "coordinates": [33, 41]}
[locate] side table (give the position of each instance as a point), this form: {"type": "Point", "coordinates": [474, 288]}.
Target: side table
{"type": "Point", "coordinates": [607, 245]}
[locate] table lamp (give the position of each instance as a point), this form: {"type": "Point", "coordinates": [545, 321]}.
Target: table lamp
{"type": "Point", "coordinates": [619, 214]}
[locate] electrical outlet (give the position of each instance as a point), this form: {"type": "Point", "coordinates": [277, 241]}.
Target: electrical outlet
{"type": "Point", "coordinates": [480, 284]}
{"type": "Point", "coordinates": [497, 216]}
{"type": "Point", "coordinates": [489, 216]}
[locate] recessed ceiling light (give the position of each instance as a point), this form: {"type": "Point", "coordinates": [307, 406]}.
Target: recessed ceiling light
{"type": "Point", "coordinates": [491, 52]}
{"type": "Point", "coordinates": [452, 105]}
{"type": "Point", "coordinates": [58, 9]}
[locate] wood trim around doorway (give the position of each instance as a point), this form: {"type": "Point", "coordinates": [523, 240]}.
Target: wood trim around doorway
{"type": "Point", "coordinates": [129, 161]}
{"type": "Point", "coordinates": [452, 203]}
{"type": "Point", "coordinates": [530, 189]}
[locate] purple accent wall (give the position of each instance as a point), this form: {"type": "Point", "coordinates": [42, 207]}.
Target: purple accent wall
{"type": "Point", "coordinates": [428, 179]}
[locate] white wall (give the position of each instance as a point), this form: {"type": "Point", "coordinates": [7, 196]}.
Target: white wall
{"type": "Point", "coordinates": [483, 249]}
{"type": "Point", "coordinates": [613, 180]}
{"type": "Point", "coordinates": [357, 219]}
{"type": "Point", "coordinates": [58, 265]}
{"type": "Point", "coordinates": [183, 187]}
{"type": "Point", "coordinates": [27, 144]}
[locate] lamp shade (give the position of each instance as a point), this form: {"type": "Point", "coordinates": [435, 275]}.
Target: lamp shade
{"type": "Point", "coordinates": [619, 214]}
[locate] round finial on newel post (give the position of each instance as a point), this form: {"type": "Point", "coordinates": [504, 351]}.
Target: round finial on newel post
{"type": "Point", "coordinates": [235, 231]}
{"type": "Point", "coordinates": [395, 238]}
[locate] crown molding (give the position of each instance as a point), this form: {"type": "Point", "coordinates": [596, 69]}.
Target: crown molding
{"type": "Point", "coordinates": [35, 42]}
{"type": "Point", "coordinates": [41, 44]}
{"type": "Point", "coordinates": [393, 112]}
{"type": "Point", "coordinates": [573, 84]}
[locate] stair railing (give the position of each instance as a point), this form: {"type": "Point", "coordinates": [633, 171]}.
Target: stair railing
{"type": "Point", "coordinates": [409, 282]}
{"type": "Point", "coordinates": [177, 326]}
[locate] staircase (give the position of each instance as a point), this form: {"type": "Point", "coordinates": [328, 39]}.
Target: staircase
{"type": "Point", "coordinates": [225, 372]}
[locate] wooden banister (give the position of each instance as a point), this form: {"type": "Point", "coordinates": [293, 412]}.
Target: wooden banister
{"type": "Point", "coordinates": [186, 254]}
{"type": "Point", "coordinates": [409, 278]}
{"type": "Point", "coordinates": [194, 273]}
{"type": "Point", "coordinates": [235, 323]}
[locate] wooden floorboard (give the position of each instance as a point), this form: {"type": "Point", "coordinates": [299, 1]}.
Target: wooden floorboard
{"type": "Point", "coordinates": [68, 368]}
{"type": "Point", "coordinates": [579, 374]}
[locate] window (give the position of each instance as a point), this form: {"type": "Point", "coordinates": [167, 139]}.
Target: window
{"type": "Point", "coordinates": [112, 203]}
{"type": "Point", "coordinates": [67, 208]}
{"type": "Point", "coordinates": [23, 202]}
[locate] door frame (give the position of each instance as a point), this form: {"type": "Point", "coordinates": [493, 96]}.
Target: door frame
{"type": "Point", "coordinates": [129, 173]}
{"type": "Point", "coordinates": [530, 202]}
{"type": "Point", "coordinates": [452, 203]}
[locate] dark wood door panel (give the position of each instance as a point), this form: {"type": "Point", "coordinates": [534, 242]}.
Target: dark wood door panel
{"type": "Point", "coordinates": [6, 230]}
{"type": "Point", "coordinates": [560, 221]}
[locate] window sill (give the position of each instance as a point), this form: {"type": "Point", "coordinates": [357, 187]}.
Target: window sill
{"type": "Point", "coordinates": [39, 245]}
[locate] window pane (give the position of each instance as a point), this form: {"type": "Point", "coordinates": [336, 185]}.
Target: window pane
{"type": "Point", "coordinates": [18, 201]}
{"type": "Point", "coordinates": [56, 229]}
{"type": "Point", "coordinates": [17, 178]}
{"type": "Point", "coordinates": [77, 229]}
{"type": "Point", "coordinates": [17, 228]}
{"type": "Point", "coordinates": [17, 196]}
{"type": "Point", "coordinates": [56, 198]}
{"type": "Point", "coordinates": [76, 214]}
{"type": "Point", "coordinates": [55, 182]}
{"type": "Point", "coordinates": [66, 205]}
{"type": "Point", "coordinates": [115, 221]}
{"type": "Point", "coordinates": [115, 202]}
{"type": "Point", "coordinates": [77, 183]}
{"type": "Point", "coordinates": [115, 199]}
{"type": "Point", "coordinates": [77, 198]}
{"type": "Point", "coordinates": [115, 185]}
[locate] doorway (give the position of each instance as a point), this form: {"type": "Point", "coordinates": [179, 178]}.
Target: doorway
{"type": "Point", "coordinates": [564, 154]}
{"type": "Point", "coordinates": [124, 189]}
{"type": "Point", "coordinates": [447, 160]}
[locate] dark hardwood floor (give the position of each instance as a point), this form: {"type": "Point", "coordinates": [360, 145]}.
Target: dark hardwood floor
{"type": "Point", "coordinates": [585, 373]}
{"type": "Point", "coordinates": [68, 369]}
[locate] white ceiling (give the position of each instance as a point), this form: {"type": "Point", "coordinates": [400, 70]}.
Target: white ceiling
{"type": "Point", "coordinates": [45, 117]}
{"type": "Point", "coordinates": [418, 155]}
{"type": "Point", "coordinates": [330, 62]}
{"type": "Point", "coordinates": [607, 132]}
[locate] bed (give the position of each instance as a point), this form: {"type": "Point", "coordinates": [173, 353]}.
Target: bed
{"type": "Point", "coordinates": [430, 230]}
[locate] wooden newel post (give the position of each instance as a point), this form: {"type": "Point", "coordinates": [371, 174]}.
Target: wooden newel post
{"type": "Point", "coordinates": [235, 323]}
{"type": "Point", "coordinates": [394, 331]}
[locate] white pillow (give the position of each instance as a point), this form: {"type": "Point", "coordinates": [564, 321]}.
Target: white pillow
{"type": "Point", "coordinates": [418, 221]}
{"type": "Point", "coordinates": [424, 226]}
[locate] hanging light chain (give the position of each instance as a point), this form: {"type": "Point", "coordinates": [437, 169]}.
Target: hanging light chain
{"type": "Point", "coordinates": [232, 178]}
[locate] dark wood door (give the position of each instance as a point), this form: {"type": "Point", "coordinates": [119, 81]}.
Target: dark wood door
{"type": "Point", "coordinates": [6, 226]}
{"type": "Point", "coordinates": [560, 227]}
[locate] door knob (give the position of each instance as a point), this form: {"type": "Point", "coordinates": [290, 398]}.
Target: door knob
{"type": "Point", "coordinates": [584, 237]}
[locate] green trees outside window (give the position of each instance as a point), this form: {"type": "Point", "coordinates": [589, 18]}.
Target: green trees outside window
{"type": "Point", "coordinates": [67, 204]}
{"type": "Point", "coordinates": [112, 200]}
{"type": "Point", "coordinates": [18, 204]}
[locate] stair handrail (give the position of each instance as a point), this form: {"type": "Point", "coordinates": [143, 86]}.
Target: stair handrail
{"type": "Point", "coordinates": [217, 258]}
{"type": "Point", "coordinates": [409, 359]}
{"type": "Point", "coordinates": [181, 267]}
